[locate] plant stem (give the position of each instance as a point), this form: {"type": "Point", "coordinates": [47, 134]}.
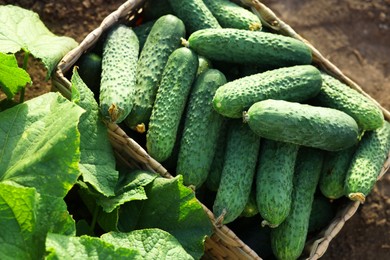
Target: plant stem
{"type": "Point", "coordinates": [25, 62]}
{"type": "Point", "coordinates": [94, 219]}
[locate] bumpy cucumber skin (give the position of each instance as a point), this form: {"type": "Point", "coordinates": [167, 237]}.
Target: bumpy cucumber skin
{"type": "Point", "coordinates": [142, 31]}
{"type": "Point", "coordinates": [367, 162]}
{"type": "Point", "coordinates": [231, 15]}
{"type": "Point", "coordinates": [195, 14]}
{"type": "Point", "coordinates": [117, 84]}
{"type": "Point", "coordinates": [337, 95]}
{"type": "Point", "coordinates": [296, 83]}
{"type": "Point", "coordinates": [214, 176]}
{"type": "Point", "coordinates": [288, 239]}
{"type": "Point", "coordinates": [274, 180]}
{"type": "Point", "coordinates": [241, 154]}
{"type": "Point", "coordinates": [178, 76]}
{"type": "Point", "coordinates": [201, 129]}
{"type": "Point", "coordinates": [334, 171]}
{"type": "Point", "coordinates": [244, 47]}
{"type": "Point", "coordinates": [162, 40]}
{"type": "Point", "coordinates": [318, 127]}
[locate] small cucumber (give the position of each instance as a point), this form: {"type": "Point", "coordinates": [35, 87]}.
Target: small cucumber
{"type": "Point", "coordinates": [202, 127]}
{"type": "Point", "coordinates": [288, 239]}
{"type": "Point", "coordinates": [274, 180]}
{"type": "Point", "coordinates": [214, 176]}
{"type": "Point", "coordinates": [90, 69]}
{"type": "Point", "coordinates": [296, 83]}
{"type": "Point", "coordinates": [322, 213]}
{"type": "Point", "coordinates": [194, 14]}
{"type": "Point", "coordinates": [242, 150]}
{"type": "Point", "coordinates": [250, 208]}
{"type": "Point", "coordinates": [162, 40]}
{"type": "Point", "coordinates": [178, 76]}
{"type": "Point", "coordinates": [367, 162]}
{"type": "Point", "coordinates": [318, 127]}
{"type": "Point", "coordinates": [231, 15]}
{"type": "Point", "coordinates": [334, 172]}
{"type": "Point", "coordinates": [244, 47]}
{"type": "Point", "coordinates": [338, 95]}
{"type": "Point", "coordinates": [117, 85]}
{"type": "Point", "coordinates": [204, 64]}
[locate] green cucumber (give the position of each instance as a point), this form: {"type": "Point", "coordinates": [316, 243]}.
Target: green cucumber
{"type": "Point", "coordinates": [214, 176]}
{"type": "Point", "coordinates": [171, 98]}
{"type": "Point", "coordinates": [296, 83]}
{"type": "Point", "coordinates": [338, 95]}
{"type": "Point", "coordinates": [244, 47]}
{"type": "Point", "coordinates": [194, 14]}
{"type": "Point", "coordinates": [251, 208]}
{"type": "Point", "coordinates": [162, 40]}
{"type": "Point", "coordinates": [231, 15]}
{"type": "Point", "coordinates": [117, 84]}
{"type": "Point", "coordinates": [142, 31]}
{"type": "Point", "coordinates": [367, 163]}
{"type": "Point", "coordinates": [241, 154]}
{"type": "Point", "coordinates": [274, 180]}
{"type": "Point", "coordinates": [202, 127]}
{"type": "Point", "coordinates": [321, 214]}
{"type": "Point", "coordinates": [334, 172]}
{"type": "Point", "coordinates": [90, 69]}
{"type": "Point", "coordinates": [318, 127]}
{"type": "Point", "coordinates": [288, 239]}
{"type": "Point", "coordinates": [204, 64]}
{"type": "Point", "coordinates": [154, 9]}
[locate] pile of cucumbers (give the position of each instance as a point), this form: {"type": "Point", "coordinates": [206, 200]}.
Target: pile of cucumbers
{"type": "Point", "coordinates": [241, 111]}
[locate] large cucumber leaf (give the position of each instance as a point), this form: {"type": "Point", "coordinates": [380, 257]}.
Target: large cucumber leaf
{"type": "Point", "coordinates": [97, 161]}
{"type": "Point", "coordinates": [152, 243]}
{"type": "Point", "coordinates": [12, 78]}
{"type": "Point", "coordinates": [172, 207]}
{"type": "Point", "coordinates": [22, 29]}
{"type": "Point", "coordinates": [85, 247]}
{"type": "Point", "coordinates": [39, 144]}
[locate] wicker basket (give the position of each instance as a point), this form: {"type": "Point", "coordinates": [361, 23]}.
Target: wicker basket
{"type": "Point", "coordinates": [223, 244]}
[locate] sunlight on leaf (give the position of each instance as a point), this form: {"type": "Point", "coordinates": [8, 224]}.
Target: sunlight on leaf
{"type": "Point", "coordinates": [12, 78]}
{"type": "Point", "coordinates": [22, 29]}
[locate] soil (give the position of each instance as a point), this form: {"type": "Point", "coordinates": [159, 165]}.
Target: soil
{"type": "Point", "coordinates": [353, 34]}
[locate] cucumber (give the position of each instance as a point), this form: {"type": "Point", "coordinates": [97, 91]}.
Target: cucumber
{"type": "Point", "coordinates": [367, 163]}
{"type": "Point", "coordinates": [321, 214]}
{"type": "Point", "coordinates": [204, 64]}
{"type": "Point", "coordinates": [288, 239]}
{"type": "Point", "coordinates": [142, 31]}
{"type": "Point", "coordinates": [250, 208]}
{"type": "Point", "coordinates": [338, 95]}
{"type": "Point", "coordinates": [244, 47]}
{"type": "Point", "coordinates": [90, 69]}
{"type": "Point", "coordinates": [231, 15]}
{"type": "Point", "coordinates": [154, 9]}
{"type": "Point", "coordinates": [194, 14]}
{"type": "Point", "coordinates": [334, 172]}
{"type": "Point", "coordinates": [296, 83]}
{"type": "Point", "coordinates": [274, 180]}
{"type": "Point", "coordinates": [178, 76]}
{"type": "Point", "coordinates": [202, 127]}
{"type": "Point", "coordinates": [241, 154]}
{"type": "Point", "coordinates": [214, 176]}
{"type": "Point", "coordinates": [162, 40]}
{"type": "Point", "coordinates": [117, 84]}
{"type": "Point", "coordinates": [318, 127]}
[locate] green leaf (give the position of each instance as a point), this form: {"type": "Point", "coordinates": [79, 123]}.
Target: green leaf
{"type": "Point", "coordinates": [172, 207]}
{"type": "Point", "coordinates": [152, 243]}
{"type": "Point", "coordinates": [39, 144]}
{"type": "Point", "coordinates": [18, 206]}
{"type": "Point", "coordinates": [12, 78]}
{"type": "Point", "coordinates": [22, 29]}
{"type": "Point", "coordinates": [85, 247]}
{"type": "Point", "coordinates": [130, 187]}
{"type": "Point", "coordinates": [97, 161]}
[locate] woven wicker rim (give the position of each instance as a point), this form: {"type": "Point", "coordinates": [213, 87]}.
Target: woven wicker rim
{"type": "Point", "coordinates": [223, 244]}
